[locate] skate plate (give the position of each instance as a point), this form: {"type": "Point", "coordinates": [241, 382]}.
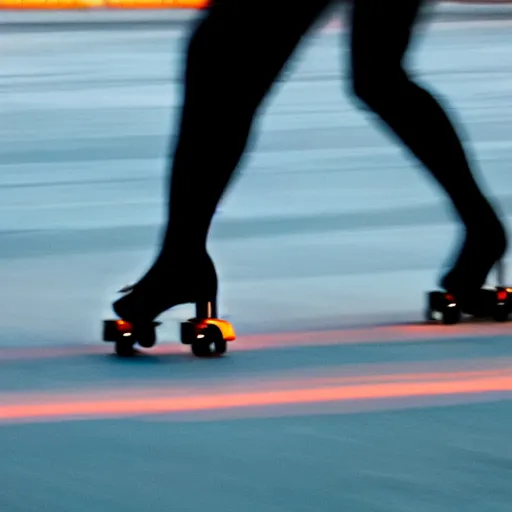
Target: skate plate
{"type": "Point", "coordinates": [493, 303]}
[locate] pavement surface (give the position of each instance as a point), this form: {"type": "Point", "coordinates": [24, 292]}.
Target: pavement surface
{"type": "Point", "coordinates": [335, 396]}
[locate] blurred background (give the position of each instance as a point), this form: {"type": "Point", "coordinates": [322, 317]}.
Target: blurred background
{"type": "Point", "coordinates": [335, 394]}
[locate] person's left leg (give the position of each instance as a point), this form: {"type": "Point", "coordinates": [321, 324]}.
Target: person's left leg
{"type": "Point", "coordinates": [233, 58]}
{"type": "Point", "coordinates": [381, 34]}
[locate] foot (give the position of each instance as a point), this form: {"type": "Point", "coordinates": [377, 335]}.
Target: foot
{"type": "Point", "coordinates": [484, 246]}
{"type": "Point", "coordinates": [167, 284]}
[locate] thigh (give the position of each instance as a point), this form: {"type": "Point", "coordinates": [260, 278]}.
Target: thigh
{"type": "Point", "coordinates": [381, 32]}
{"type": "Point", "coordinates": [253, 39]}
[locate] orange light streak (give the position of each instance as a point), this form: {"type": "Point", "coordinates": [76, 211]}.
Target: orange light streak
{"type": "Point", "coordinates": [83, 5]}
{"type": "Point", "coordinates": [119, 407]}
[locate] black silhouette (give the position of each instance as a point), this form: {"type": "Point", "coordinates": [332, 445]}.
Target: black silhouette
{"type": "Point", "coordinates": [233, 57]}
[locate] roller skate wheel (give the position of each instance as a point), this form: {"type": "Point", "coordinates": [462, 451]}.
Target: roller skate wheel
{"type": "Point", "coordinates": [501, 312]}
{"type": "Point", "coordinates": [209, 348]}
{"type": "Point", "coordinates": [146, 336]}
{"type": "Point", "coordinates": [502, 307]}
{"type": "Point", "coordinates": [451, 315]}
{"type": "Point", "coordinates": [209, 342]}
{"type": "Point", "coordinates": [125, 348]}
{"type": "Point", "coordinates": [207, 337]}
{"type": "Point", "coordinates": [125, 336]}
{"type": "Point", "coordinates": [443, 308]}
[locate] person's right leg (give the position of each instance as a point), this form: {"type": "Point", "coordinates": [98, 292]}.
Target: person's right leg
{"type": "Point", "coordinates": [380, 37]}
{"type": "Point", "coordinates": [233, 57]}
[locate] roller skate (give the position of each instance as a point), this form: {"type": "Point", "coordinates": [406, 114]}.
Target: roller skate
{"type": "Point", "coordinates": [465, 293]}
{"type": "Point", "coordinates": [157, 292]}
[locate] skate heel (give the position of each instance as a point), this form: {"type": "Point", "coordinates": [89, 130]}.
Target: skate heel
{"type": "Point", "coordinates": [492, 302]}
{"type": "Point", "coordinates": [206, 334]}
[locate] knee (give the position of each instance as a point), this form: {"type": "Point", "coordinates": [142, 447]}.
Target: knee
{"type": "Point", "coordinates": [364, 85]}
{"type": "Point", "coordinates": [377, 85]}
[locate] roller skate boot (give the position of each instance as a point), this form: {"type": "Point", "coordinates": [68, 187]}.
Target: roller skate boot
{"type": "Point", "coordinates": [161, 289]}
{"type": "Point", "coordinates": [464, 292]}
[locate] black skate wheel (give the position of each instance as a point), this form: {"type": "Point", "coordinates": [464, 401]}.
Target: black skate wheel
{"type": "Point", "coordinates": [220, 347]}
{"type": "Point", "coordinates": [443, 308]}
{"type": "Point", "coordinates": [125, 348]}
{"type": "Point", "coordinates": [502, 307]}
{"type": "Point", "coordinates": [501, 316]}
{"type": "Point", "coordinates": [217, 348]}
{"type": "Point", "coordinates": [208, 342]}
{"type": "Point", "coordinates": [201, 349]}
{"type": "Point", "coordinates": [145, 337]}
{"type": "Point", "coordinates": [501, 313]}
{"type": "Point", "coordinates": [451, 315]}
{"type": "Point", "coordinates": [207, 337]}
{"type": "Point", "coordinates": [126, 336]}
{"type": "Point", "coordinates": [121, 333]}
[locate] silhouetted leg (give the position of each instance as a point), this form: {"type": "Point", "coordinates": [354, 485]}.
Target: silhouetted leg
{"type": "Point", "coordinates": [233, 57]}
{"type": "Point", "coordinates": [380, 37]}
